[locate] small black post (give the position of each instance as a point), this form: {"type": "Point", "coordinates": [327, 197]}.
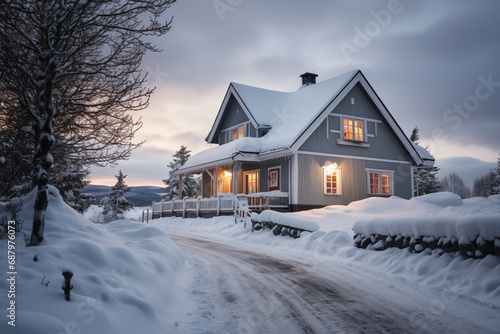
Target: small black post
{"type": "Point", "coordinates": [67, 283]}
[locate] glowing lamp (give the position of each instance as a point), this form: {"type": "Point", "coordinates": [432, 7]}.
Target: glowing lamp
{"type": "Point", "coordinates": [329, 166]}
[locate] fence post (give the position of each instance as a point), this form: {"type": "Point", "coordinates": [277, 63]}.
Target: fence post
{"type": "Point", "coordinates": [184, 207]}
{"type": "Point", "coordinates": [218, 205]}
{"type": "Point", "coordinates": [147, 216]}
{"type": "Point", "coordinates": [198, 206]}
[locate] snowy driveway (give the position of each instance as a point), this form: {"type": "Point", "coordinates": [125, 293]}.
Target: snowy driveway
{"type": "Point", "coordinates": [244, 290]}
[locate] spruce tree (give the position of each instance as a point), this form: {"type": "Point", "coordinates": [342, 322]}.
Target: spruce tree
{"type": "Point", "coordinates": [190, 185]}
{"type": "Point", "coordinates": [115, 204]}
{"type": "Point", "coordinates": [424, 178]}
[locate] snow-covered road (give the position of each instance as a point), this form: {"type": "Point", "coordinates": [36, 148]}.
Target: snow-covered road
{"type": "Point", "coordinates": [245, 290]}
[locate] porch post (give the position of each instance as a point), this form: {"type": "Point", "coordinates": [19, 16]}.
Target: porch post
{"type": "Point", "coordinates": [180, 186]}
{"type": "Point", "coordinates": [236, 169]}
{"type": "Point", "coordinates": [215, 182]}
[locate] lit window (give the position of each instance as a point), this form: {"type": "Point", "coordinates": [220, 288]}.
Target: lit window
{"type": "Point", "coordinates": [224, 181]}
{"type": "Point", "coordinates": [380, 182]}
{"type": "Point", "coordinates": [238, 132]}
{"type": "Point", "coordinates": [331, 181]}
{"type": "Point", "coordinates": [251, 182]}
{"type": "Point", "coordinates": [353, 130]}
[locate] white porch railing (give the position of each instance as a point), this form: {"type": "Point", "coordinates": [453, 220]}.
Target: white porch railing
{"type": "Point", "coordinates": [222, 204]}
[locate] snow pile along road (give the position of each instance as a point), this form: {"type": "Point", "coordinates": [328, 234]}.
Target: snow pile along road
{"type": "Point", "coordinates": [448, 224]}
{"type": "Point", "coordinates": [125, 276]}
{"type": "Point", "coordinates": [449, 274]}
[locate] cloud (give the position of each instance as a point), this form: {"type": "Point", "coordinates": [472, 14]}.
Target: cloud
{"type": "Point", "coordinates": [427, 58]}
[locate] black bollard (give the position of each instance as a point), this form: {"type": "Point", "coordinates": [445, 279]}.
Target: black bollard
{"type": "Point", "coordinates": [67, 283]}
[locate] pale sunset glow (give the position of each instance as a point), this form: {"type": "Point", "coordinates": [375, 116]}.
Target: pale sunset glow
{"type": "Point", "coordinates": [433, 64]}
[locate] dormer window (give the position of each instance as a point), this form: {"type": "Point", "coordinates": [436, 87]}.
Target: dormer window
{"type": "Point", "coordinates": [353, 130]}
{"type": "Point", "coordinates": [238, 132]}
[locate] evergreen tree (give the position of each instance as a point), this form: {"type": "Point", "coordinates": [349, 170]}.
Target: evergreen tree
{"type": "Point", "coordinates": [489, 184]}
{"type": "Point", "coordinates": [190, 185]}
{"type": "Point", "coordinates": [414, 135]}
{"type": "Point", "coordinates": [115, 204]}
{"type": "Point", "coordinates": [424, 178]}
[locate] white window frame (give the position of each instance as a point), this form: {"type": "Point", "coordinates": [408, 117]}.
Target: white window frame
{"type": "Point", "coordinates": [354, 119]}
{"type": "Point", "coordinates": [326, 172]}
{"type": "Point", "coordinates": [279, 177]}
{"type": "Point", "coordinates": [228, 133]}
{"type": "Point", "coordinates": [390, 173]}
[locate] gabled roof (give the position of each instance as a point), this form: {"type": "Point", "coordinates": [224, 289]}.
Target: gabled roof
{"type": "Point", "coordinates": [288, 113]}
{"type": "Point", "coordinates": [292, 116]}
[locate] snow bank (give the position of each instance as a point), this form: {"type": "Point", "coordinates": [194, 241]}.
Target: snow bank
{"type": "Point", "coordinates": [438, 215]}
{"type": "Point", "coordinates": [124, 281]}
{"type": "Point", "coordinates": [270, 216]}
{"type": "Point", "coordinates": [448, 275]}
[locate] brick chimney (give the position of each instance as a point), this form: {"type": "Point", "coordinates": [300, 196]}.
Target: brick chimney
{"type": "Point", "coordinates": [308, 78]}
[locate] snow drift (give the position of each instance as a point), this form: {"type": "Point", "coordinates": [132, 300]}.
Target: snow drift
{"type": "Point", "coordinates": [124, 281]}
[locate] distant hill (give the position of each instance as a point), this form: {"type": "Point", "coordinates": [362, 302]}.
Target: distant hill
{"type": "Point", "coordinates": [140, 196]}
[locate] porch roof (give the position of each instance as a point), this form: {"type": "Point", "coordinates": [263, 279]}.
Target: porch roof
{"type": "Point", "coordinates": [243, 149]}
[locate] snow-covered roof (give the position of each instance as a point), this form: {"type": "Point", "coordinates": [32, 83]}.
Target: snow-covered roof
{"type": "Point", "coordinates": [246, 148]}
{"type": "Point", "coordinates": [425, 155]}
{"type": "Point", "coordinates": [289, 115]}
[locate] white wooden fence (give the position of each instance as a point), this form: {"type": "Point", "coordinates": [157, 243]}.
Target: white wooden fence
{"type": "Point", "coordinates": [222, 204]}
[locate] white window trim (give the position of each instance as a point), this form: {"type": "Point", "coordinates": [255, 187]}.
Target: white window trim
{"type": "Point", "coordinates": [228, 133]}
{"type": "Point", "coordinates": [365, 128]}
{"type": "Point", "coordinates": [279, 177]}
{"type": "Point", "coordinates": [380, 171]}
{"type": "Point", "coordinates": [339, 182]}
{"type": "Point", "coordinates": [245, 173]}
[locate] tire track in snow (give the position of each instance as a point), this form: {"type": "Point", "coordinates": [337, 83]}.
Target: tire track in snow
{"type": "Point", "coordinates": [259, 293]}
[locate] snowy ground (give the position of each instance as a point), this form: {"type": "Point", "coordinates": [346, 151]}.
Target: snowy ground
{"type": "Point", "coordinates": [131, 277]}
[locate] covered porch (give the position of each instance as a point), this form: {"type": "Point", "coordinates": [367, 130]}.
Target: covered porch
{"type": "Point", "coordinates": [222, 204]}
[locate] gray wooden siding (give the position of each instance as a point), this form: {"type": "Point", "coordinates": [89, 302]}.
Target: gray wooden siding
{"type": "Point", "coordinates": [353, 179]}
{"type": "Point", "coordinates": [284, 174]}
{"type": "Point", "coordinates": [234, 116]}
{"type": "Point", "coordinates": [383, 146]}
{"type": "Point", "coordinates": [262, 167]}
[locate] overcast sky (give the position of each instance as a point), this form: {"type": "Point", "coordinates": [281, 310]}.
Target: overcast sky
{"type": "Point", "coordinates": [435, 65]}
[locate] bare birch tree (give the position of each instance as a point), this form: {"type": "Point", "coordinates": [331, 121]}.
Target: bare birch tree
{"type": "Point", "coordinates": [77, 64]}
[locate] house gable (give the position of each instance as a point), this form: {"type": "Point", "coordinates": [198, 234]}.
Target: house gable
{"type": "Point", "coordinates": [232, 112]}
{"type": "Point", "coordinates": [380, 141]}
{"type": "Point", "coordinates": [356, 85]}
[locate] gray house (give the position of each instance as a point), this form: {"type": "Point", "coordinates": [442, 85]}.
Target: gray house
{"type": "Point", "coordinates": [331, 142]}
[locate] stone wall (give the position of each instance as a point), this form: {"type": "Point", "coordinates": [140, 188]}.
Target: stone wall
{"type": "Point", "coordinates": [474, 247]}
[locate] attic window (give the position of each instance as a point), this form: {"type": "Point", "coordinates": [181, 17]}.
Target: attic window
{"type": "Point", "coordinates": [238, 132]}
{"type": "Point", "coordinates": [353, 130]}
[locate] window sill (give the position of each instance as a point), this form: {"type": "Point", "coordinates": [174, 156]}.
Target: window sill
{"type": "Point", "coordinates": [352, 143]}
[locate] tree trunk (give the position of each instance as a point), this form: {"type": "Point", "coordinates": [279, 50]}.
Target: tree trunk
{"type": "Point", "coordinates": [45, 111]}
